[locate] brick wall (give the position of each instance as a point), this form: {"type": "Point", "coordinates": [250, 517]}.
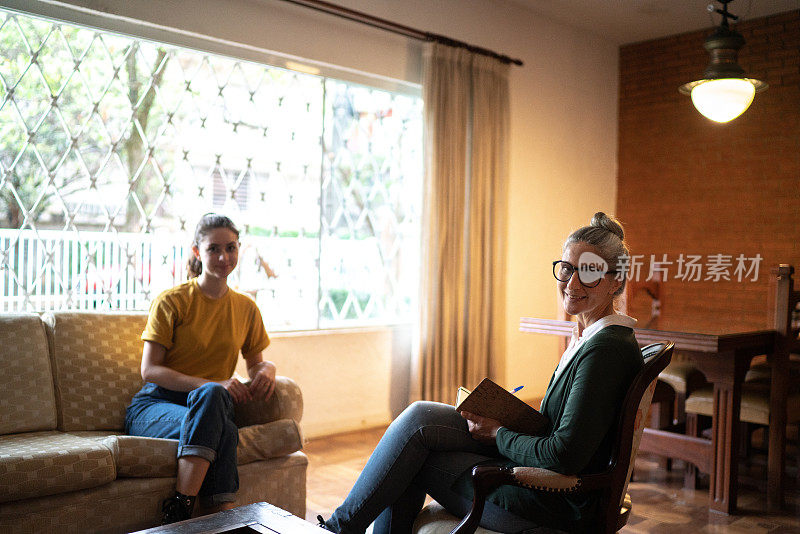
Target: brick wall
{"type": "Point", "coordinates": [688, 185]}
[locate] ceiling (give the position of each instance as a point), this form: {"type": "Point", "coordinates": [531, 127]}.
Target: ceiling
{"type": "Point", "coordinates": [630, 21]}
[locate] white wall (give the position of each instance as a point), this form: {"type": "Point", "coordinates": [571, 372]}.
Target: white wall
{"type": "Point", "coordinates": [562, 168]}
{"type": "Point", "coordinates": [350, 378]}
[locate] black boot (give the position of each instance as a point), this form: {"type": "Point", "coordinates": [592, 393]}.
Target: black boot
{"type": "Point", "coordinates": [176, 508]}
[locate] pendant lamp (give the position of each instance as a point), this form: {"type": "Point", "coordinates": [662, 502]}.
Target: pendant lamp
{"type": "Point", "coordinates": [724, 92]}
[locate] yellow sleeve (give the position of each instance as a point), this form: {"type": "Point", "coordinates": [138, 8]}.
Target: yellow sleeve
{"type": "Point", "coordinates": [161, 321]}
{"type": "Point", "coordinates": [256, 339]}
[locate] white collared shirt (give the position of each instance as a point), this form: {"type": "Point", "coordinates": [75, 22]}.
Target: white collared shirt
{"type": "Point", "coordinates": [577, 342]}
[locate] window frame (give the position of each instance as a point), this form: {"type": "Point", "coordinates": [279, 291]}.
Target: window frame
{"type": "Point", "coordinates": [139, 29]}
{"type": "Point", "coordinates": [147, 31]}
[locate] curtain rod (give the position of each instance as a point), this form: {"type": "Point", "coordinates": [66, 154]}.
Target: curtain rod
{"type": "Point", "coordinates": [383, 24]}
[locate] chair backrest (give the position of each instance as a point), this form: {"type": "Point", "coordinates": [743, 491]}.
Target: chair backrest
{"type": "Point", "coordinates": [630, 427]}
{"type": "Point", "coordinates": [784, 307]}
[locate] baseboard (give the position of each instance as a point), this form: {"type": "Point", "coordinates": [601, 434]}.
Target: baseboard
{"type": "Point", "coordinates": [338, 426]}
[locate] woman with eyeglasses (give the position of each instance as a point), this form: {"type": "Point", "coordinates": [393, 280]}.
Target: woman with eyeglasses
{"type": "Point", "coordinates": [431, 449]}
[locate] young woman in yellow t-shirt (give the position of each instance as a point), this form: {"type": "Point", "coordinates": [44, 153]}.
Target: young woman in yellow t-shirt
{"type": "Point", "coordinates": [194, 334]}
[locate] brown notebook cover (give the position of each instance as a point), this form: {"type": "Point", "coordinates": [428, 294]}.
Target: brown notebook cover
{"type": "Point", "coordinates": [490, 400]}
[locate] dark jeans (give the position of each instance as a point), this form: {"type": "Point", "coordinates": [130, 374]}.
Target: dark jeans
{"type": "Point", "coordinates": [426, 450]}
{"type": "Point", "coordinates": [202, 422]}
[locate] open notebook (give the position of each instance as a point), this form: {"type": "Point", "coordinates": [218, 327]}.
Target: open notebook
{"type": "Point", "coordinates": [492, 401]}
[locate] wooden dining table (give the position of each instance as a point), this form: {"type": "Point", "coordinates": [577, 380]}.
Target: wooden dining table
{"type": "Point", "coordinates": [723, 356]}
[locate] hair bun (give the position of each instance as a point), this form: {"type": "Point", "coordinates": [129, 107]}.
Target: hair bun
{"type": "Point", "coordinates": [601, 220]}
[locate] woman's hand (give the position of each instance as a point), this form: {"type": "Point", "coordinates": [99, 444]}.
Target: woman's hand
{"type": "Point", "coordinates": [262, 380]}
{"type": "Point", "coordinates": [482, 429]}
{"type": "Point", "coordinates": [238, 391]}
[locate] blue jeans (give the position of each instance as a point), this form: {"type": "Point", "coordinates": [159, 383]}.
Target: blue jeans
{"type": "Point", "coordinates": [202, 422]}
{"type": "Point", "coordinates": [426, 450]}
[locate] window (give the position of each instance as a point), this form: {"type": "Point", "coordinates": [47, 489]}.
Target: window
{"type": "Point", "coordinates": [111, 148]}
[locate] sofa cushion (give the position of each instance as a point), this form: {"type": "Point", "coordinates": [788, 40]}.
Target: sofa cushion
{"type": "Point", "coordinates": [96, 359]}
{"type": "Point", "coordinates": [140, 457]}
{"type": "Point", "coordinates": [45, 463]}
{"type": "Point", "coordinates": [27, 401]}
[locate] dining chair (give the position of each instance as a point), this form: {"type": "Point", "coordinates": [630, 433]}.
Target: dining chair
{"type": "Point", "coordinates": [615, 503]}
{"type": "Point", "coordinates": [669, 399]}
{"type": "Point", "coordinates": [758, 386]}
{"type": "Point", "coordinates": [761, 372]}
{"type": "Point", "coordinates": [679, 378]}
{"type": "Point", "coordinates": [754, 412]}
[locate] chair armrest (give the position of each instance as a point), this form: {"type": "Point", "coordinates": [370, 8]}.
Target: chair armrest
{"type": "Point", "coordinates": [487, 478]}
{"type": "Point", "coordinates": [286, 402]}
{"type": "Point", "coordinates": [484, 479]}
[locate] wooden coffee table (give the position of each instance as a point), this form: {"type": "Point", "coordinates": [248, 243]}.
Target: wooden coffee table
{"type": "Point", "coordinates": [260, 517]}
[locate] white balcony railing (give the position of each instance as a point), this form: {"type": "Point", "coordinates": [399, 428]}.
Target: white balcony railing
{"type": "Point", "coordinates": [52, 270]}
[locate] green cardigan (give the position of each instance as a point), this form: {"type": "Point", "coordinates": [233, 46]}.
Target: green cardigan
{"type": "Point", "coordinates": [583, 406]}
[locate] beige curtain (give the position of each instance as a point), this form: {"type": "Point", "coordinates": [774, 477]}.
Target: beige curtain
{"type": "Point", "coordinates": [466, 143]}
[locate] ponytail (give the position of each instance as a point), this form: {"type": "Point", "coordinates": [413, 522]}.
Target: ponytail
{"type": "Point", "coordinates": [193, 267]}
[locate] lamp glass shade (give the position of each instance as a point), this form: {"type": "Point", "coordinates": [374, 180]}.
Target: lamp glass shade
{"type": "Point", "coordinates": [723, 100]}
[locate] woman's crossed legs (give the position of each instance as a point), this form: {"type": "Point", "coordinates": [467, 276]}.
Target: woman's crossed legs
{"type": "Point", "coordinates": [424, 451]}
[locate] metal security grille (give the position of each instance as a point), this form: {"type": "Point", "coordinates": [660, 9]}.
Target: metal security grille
{"type": "Point", "coordinates": [111, 148]}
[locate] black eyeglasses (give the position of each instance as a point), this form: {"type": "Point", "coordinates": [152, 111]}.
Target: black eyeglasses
{"type": "Point", "coordinates": [563, 271]}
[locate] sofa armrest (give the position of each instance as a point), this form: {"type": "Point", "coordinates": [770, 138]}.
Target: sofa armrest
{"type": "Point", "coordinates": [285, 403]}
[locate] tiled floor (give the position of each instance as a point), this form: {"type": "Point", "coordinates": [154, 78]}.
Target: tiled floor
{"type": "Point", "coordinates": [661, 505]}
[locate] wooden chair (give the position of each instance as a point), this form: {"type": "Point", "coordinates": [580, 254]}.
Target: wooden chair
{"type": "Point", "coordinates": [669, 400]}
{"type": "Point", "coordinates": [675, 382]}
{"type": "Point", "coordinates": [679, 378]}
{"type": "Point", "coordinates": [612, 483]}
{"type": "Point", "coordinates": [761, 389]}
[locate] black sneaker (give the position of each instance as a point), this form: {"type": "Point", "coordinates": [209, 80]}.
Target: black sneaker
{"type": "Point", "coordinates": [176, 508]}
{"type": "Point", "coordinates": [322, 523]}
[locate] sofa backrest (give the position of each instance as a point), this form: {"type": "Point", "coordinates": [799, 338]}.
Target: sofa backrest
{"type": "Point", "coordinates": [27, 401]}
{"type": "Point", "coordinates": [96, 359]}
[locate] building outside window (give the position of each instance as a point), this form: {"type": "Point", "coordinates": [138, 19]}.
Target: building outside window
{"type": "Point", "coordinates": [111, 148]}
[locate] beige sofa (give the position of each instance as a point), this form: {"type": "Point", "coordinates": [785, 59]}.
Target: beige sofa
{"type": "Point", "coordinates": [65, 380]}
